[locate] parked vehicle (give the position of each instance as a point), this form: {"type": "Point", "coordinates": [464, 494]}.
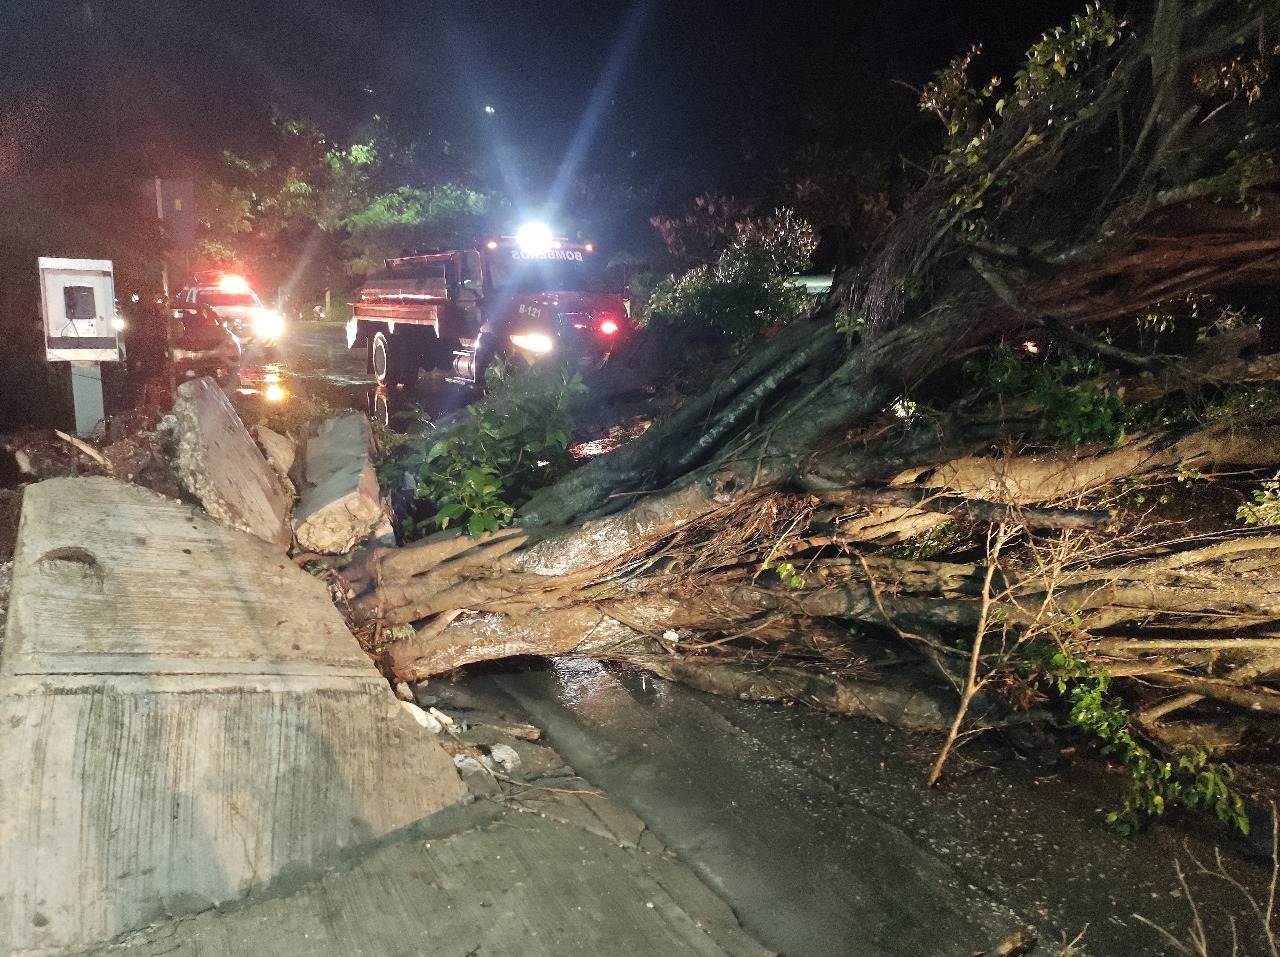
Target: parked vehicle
{"type": "Point", "coordinates": [231, 298]}
{"type": "Point", "coordinates": [530, 295]}
{"type": "Point", "coordinates": [202, 342]}
{"type": "Point", "coordinates": [157, 337]}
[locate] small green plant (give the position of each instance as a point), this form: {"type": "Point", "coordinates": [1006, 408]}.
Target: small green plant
{"type": "Point", "coordinates": [1265, 508]}
{"type": "Point", "coordinates": [851, 323]}
{"type": "Point", "coordinates": [747, 290]}
{"type": "Point", "coordinates": [1075, 410]}
{"type": "Point", "coordinates": [1155, 783]}
{"type": "Point", "coordinates": [513, 442]}
{"type": "Point", "coordinates": [787, 572]}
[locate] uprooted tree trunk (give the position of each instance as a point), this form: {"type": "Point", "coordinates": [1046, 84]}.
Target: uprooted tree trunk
{"type": "Point", "coordinates": [665, 552]}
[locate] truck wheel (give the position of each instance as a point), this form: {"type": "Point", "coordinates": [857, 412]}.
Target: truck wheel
{"type": "Point", "coordinates": [393, 363]}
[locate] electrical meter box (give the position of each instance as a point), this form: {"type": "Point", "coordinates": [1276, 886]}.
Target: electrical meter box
{"type": "Point", "coordinates": [79, 299]}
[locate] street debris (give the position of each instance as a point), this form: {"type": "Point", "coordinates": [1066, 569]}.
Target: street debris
{"type": "Point", "coordinates": [218, 463]}
{"type": "Point", "coordinates": [505, 755]}
{"type": "Point", "coordinates": [443, 718]}
{"type": "Point", "coordinates": [84, 447]}
{"type": "Point", "coordinates": [339, 501]}
{"type": "Point", "coordinates": [428, 721]}
{"type": "Point", "coordinates": [280, 451]}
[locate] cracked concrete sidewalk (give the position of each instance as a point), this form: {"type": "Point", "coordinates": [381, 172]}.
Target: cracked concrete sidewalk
{"type": "Point", "coordinates": [532, 862]}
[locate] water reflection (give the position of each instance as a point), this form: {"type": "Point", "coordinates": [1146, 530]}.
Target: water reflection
{"type": "Point", "coordinates": [430, 399]}
{"type": "Point", "coordinates": [581, 680]}
{"type": "Point", "coordinates": [266, 381]}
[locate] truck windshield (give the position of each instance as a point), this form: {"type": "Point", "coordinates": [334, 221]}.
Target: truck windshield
{"type": "Point", "coordinates": [216, 297]}
{"type": "Point", "coordinates": [509, 271]}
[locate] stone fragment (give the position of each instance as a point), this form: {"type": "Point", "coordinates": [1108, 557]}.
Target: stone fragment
{"type": "Point", "coordinates": [280, 451]}
{"type": "Point", "coordinates": [339, 502]}
{"type": "Point", "coordinates": [218, 462]}
{"type": "Point", "coordinates": [505, 755]}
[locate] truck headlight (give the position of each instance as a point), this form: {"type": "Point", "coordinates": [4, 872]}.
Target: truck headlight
{"type": "Point", "coordinates": [533, 342]}
{"type": "Point", "coordinates": [268, 324]}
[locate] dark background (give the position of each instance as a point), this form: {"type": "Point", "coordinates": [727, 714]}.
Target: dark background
{"type": "Point", "coordinates": [604, 114]}
{"type": "Point", "coordinates": [709, 94]}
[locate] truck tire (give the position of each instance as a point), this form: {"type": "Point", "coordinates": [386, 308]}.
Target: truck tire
{"type": "Point", "coordinates": [393, 361]}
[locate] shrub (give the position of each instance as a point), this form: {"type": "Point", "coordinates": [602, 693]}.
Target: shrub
{"type": "Point", "coordinates": [747, 290]}
{"type": "Point", "coordinates": [513, 442]}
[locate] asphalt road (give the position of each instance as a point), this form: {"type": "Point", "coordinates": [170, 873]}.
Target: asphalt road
{"type": "Point", "coordinates": [819, 831]}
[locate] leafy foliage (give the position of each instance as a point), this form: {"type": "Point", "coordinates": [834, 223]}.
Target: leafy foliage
{"type": "Point", "coordinates": [1265, 508]}
{"type": "Point", "coordinates": [320, 207]}
{"type": "Point", "coordinates": [786, 572]}
{"type": "Point", "coordinates": [1155, 783]}
{"type": "Point", "coordinates": [1075, 410]}
{"type": "Point", "coordinates": [747, 289]}
{"type": "Point", "coordinates": [512, 443]}
{"type": "Point", "coordinates": [409, 217]}
{"type": "Point", "coordinates": [699, 237]}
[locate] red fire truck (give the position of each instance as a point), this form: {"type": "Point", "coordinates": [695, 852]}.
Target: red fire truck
{"type": "Point", "coordinates": [530, 294]}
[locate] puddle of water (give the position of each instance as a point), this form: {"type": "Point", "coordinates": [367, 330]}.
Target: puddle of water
{"type": "Point", "coordinates": [580, 680]}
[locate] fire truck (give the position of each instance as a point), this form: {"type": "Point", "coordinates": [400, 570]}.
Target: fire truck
{"type": "Point", "coordinates": [529, 295]}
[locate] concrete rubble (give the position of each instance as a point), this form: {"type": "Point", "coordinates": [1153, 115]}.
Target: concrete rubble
{"type": "Point", "coordinates": [280, 451]}
{"type": "Point", "coordinates": [186, 718]}
{"type": "Point", "coordinates": [339, 501]}
{"type": "Point", "coordinates": [218, 463]}
{"type": "Point", "coordinates": [198, 758]}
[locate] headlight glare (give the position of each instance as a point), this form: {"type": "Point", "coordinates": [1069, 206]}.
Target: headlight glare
{"type": "Point", "coordinates": [268, 324]}
{"type": "Point", "coordinates": [533, 342]}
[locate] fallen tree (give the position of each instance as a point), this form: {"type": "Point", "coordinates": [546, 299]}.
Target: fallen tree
{"type": "Point", "coordinates": [752, 542]}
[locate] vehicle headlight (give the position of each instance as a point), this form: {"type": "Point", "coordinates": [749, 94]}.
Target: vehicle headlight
{"type": "Point", "coordinates": [533, 342]}
{"type": "Point", "coordinates": [268, 324]}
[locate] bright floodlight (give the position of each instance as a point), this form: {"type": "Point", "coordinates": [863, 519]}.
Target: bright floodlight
{"type": "Point", "coordinates": [534, 237]}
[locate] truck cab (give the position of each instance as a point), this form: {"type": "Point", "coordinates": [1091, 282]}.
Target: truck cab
{"type": "Point", "coordinates": [458, 310]}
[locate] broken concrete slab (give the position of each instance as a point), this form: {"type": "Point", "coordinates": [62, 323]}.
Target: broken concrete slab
{"type": "Point", "coordinates": [218, 463]}
{"type": "Point", "coordinates": [519, 885]}
{"type": "Point", "coordinates": [280, 451]}
{"type": "Point", "coordinates": [547, 867]}
{"type": "Point", "coordinates": [113, 578]}
{"type": "Point", "coordinates": [339, 502]}
{"type": "Point", "coordinates": [186, 719]}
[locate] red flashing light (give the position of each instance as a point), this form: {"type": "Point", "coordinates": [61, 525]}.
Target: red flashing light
{"type": "Point", "coordinates": [233, 284]}
{"type": "Point", "coordinates": [608, 327]}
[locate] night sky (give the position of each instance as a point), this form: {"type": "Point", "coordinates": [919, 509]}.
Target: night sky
{"type": "Point", "coordinates": [709, 86]}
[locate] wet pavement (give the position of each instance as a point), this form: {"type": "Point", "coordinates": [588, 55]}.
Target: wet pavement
{"type": "Point", "coordinates": [820, 833]}
{"type": "Point", "coordinates": [313, 363]}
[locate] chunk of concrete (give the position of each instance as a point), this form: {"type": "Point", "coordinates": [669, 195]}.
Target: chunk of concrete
{"type": "Point", "coordinates": [339, 503]}
{"type": "Point", "coordinates": [218, 463]}
{"type": "Point", "coordinates": [280, 451]}
{"type": "Point", "coordinates": [186, 719]}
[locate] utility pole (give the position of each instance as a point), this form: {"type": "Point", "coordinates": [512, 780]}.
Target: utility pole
{"type": "Point", "coordinates": [164, 260]}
